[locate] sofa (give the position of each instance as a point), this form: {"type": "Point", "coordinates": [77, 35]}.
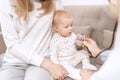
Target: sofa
{"type": "Point", "coordinates": [95, 21]}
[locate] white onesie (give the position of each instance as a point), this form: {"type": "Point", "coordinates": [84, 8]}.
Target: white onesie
{"type": "Point", "coordinates": [63, 51]}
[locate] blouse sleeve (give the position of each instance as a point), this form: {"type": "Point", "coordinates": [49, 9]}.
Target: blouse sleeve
{"type": "Point", "coordinates": [17, 48]}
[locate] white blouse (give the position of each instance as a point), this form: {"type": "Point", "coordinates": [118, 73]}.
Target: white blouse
{"type": "Point", "coordinates": [27, 42]}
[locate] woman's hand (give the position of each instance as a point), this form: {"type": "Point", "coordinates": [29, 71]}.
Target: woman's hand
{"type": "Point", "coordinates": [57, 71]}
{"type": "Point", "coordinates": [86, 74]}
{"type": "Point", "coordinates": [92, 46]}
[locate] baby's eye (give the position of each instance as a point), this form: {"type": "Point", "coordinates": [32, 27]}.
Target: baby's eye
{"type": "Point", "coordinates": [68, 26]}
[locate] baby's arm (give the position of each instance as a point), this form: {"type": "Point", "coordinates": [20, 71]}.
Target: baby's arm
{"type": "Point", "coordinates": [54, 59]}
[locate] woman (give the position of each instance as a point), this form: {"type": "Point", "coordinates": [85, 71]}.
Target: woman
{"type": "Point", "coordinates": [26, 29]}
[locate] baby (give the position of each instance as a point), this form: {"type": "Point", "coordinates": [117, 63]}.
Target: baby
{"type": "Point", "coordinates": [63, 46]}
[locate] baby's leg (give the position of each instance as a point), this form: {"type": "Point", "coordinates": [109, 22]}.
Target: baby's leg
{"type": "Point", "coordinates": [86, 60]}
{"type": "Point", "coordinates": [73, 72]}
{"type": "Point", "coordinates": [87, 65]}
{"type": "Point", "coordinates": [78, 58]}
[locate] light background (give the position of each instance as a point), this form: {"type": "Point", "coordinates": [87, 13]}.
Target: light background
{"type": "Point", "coordinates": [84, 2]}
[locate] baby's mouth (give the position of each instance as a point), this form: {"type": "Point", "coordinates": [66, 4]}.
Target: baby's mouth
{"type": "Point", "coordinates": [70, 33]}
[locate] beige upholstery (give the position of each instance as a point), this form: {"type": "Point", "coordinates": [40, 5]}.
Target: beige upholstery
{"type": "Point", "coordinates": [99, 17]}
{"type": "Point", "coordinates": [107, 38]}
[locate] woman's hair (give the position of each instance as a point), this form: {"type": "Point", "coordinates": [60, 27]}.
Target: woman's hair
{"type": "Point", "coordinates": [47, 5]}
{"type": "Point", "coordinates": [25, 6]}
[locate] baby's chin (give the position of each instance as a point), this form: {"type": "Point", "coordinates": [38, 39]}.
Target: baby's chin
{"type": "Point", "coordinates": [69, 34]}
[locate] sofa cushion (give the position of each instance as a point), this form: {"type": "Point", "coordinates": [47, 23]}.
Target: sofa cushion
{"type": "Point", "coordinates": [86, 30]}
{"type": "Point", "coordinates": [107, 38]}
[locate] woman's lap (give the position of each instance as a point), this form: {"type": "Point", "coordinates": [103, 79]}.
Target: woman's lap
{"type": "Point", "coordinates": [22, 73]}
{"type": "Point", "coordinates": [12, 74]}
{"type": "Point", "coordinates": [37, 73]}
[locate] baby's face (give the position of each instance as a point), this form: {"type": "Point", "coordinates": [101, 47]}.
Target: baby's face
{"type": "Point", "coordinates": [65, 27]}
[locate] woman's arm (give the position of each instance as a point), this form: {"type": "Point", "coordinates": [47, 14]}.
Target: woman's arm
{"type": "Point", "coordinates": [17, 48]}
{"type": "Point", "coordinates": [57, 71]}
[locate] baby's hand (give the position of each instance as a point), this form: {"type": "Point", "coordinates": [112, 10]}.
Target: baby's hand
{"type": "Point", "coordinates": [81, 37]}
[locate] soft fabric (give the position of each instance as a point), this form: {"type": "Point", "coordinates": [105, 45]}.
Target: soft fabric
{"type": "Point", "coordinates": [86, 30]}
{"type": "Point", "coordinates": [23, 72]}
{"type": "Point", "coordinates": [107, 38]}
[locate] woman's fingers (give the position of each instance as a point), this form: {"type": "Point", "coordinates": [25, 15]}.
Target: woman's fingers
{"type": "Point", "coordinates": [59, 73]}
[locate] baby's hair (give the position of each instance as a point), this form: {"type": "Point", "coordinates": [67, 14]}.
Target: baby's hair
{"type": "Point", "coordinates": [58, 15]}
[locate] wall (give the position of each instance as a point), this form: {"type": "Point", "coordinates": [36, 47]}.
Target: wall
{"type": "Point", "coordinates": [84, 2]}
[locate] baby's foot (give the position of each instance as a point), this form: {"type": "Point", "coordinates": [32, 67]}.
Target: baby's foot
{"type": "Point", "coordinates": [89, 67]}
